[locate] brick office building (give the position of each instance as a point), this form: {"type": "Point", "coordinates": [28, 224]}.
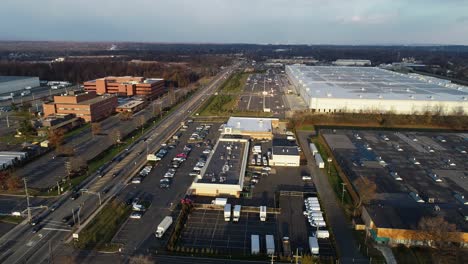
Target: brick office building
{"type": "Point", "coordinates": [127, 86]}
{"type": "Point", "coordinates": [86, 105]}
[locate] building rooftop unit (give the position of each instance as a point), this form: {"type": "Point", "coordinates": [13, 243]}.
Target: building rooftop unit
{"type": "Point", "coordinates": [373, 83]}
{"type": "Point", "coordinates": [131, 104]}
{"type": "Point", "coordinates": [251, 124]}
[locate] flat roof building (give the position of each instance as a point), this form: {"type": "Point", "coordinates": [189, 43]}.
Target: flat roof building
{"type": "Point", "coordinates": [225, 169]}
{"type": "Point", "coordinates": [131, 106]}
{"type": "Point", "coordinates": [329, 89]}
{"type": "Point", "coordinates": [86, 105]}
{"type": "Point", "coordinates": [12, 84]}
{"type": "Point", "coordinates": [127, 86]}
{"type": "Point", "coordinates": [284, 153]}
{"type": "Point", "coordinates": [257, 128]}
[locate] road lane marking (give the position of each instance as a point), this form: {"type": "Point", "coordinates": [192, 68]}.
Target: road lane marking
{"type": "Point", "coordinates": [57, 229]}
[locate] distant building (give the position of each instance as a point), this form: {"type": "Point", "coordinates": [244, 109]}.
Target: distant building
{"type": "Point", "coordinates": [151, 88]}
{"type": "Point", "coordinates": [16, 84]}
{"type": "Point", "coordinates": [131, 106]}
{"type": "Point", "coordinates": [257, 128]}
{"type": "Point", "coordinates": [86, 105]}
{"type": "Point", "coordinates": [350, 62]}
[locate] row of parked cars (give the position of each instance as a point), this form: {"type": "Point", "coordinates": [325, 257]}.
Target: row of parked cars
{"type": "Point", "coordinates": [142, 174]}
{"type": "Point", "coordinates": [166, 181]}
{"type": "Point", "coordinates": [201, 132]}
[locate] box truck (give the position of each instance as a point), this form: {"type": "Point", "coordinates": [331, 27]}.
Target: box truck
{"type": "Point", "coordinates": [322, 234]}
{"type": "Point", "coordinates": [163, 226]}
{"type": "Point", "coordinates": [255, 244]}
{"type": "Point", "coordinates": [270, 244]}
{"type": "Point", "coordinates": [263, 213]}
{"type": "Point", "coordinates": [227, 212]}
{"type": "Point", "coordinates": [236, 214]}
{"type": "Point", "coordinates": [219, 201]}
{"type": "Point", "coordinates": [314, 246]}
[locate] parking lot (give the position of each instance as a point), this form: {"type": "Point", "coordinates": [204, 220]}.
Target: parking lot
{"type": "Point", "coordinates": [139, 233]}
{"type": "Point", "coordinates": [264, 92]}
{"type": "Point", "coordinates": [207, 229]}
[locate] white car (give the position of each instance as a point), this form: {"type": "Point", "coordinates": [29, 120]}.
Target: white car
{"type": "Point", "coordinates": [136, 180]}
{"type": "Point", "coordinates": [306, 178]}
{"type": "Point", "coordinates": [169, 175]}
{"type": "Point", "coordinates": [136, 215]}
{"type": "Point", "coordinates": [207, 151]}
{"type": "Point", "coordinates": [266, 168]}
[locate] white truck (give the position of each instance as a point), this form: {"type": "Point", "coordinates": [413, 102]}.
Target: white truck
{"type": "Point", "coordinates": [255, 244]}
{"type": "Point", "coordinates": [313, 149]}
{"type": "Point", "coordinates": [319, 161]}
{"type": "Point", "coordinates": [219, 201]}
{"type": "Point", "coordinates": [322, 234]}
{"type": "Point", "coordinates": [236, 213]}
{"type": "Point", "coordinates": [270, 244]}
{"type": "Point", "coordinates": [163, 226]}
{"type": "Point", "coordinates": [314, 246]}
{"type": "Point", "coordinates": [227, 212]}
{"type": "Point", "coordinates": [263, 213]}
{"type": "Point", "coordinates": [25, 92]}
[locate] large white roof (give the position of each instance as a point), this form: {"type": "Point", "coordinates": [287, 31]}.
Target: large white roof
{"type": "Point", "coordinates": [372, 83]}
{"type": "Point", "coordinates": [250, 124]}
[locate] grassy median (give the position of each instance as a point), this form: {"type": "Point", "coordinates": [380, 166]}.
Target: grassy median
{"type": "Point", "coordinates": [99, 233]}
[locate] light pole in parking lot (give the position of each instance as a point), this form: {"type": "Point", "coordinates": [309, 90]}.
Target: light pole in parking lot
{"type": "Point", "coordinates": [329, 160]}
{"type": "Point", "coordinates": [343, 191]}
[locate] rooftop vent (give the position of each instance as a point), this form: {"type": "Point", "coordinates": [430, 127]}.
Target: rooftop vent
{"type": "Point", "coordinates": [329, 94]}
{"type": "Point", "coordinates": [238, 125]}
{"type": "Point", "coordinates": [380, 96]}
{"type": "Point", "coordinates": [411, 96]}
{"type": "Point", "coordinates": [363, 89]}
{"type": "Point", "coordinates": [360, 96]}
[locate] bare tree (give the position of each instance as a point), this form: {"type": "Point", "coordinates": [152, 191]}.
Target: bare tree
{"type": "Point", "coordinates": [125, 115]}
{"type": "Point", "coordinates": [115, 136]}
{"type": "Point", "coordinates": [436, 231]}
{"type": "Point", "coordinates": [366, 190]}
{"type": "Point", "coordinates": [56, 137]}
{"type": "Point", "coordinates": [95, 128]}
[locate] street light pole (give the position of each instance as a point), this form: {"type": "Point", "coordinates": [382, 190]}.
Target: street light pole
{"type": "Point", "coordinates": [329, 160]}
{"type": "Point", "coordinates": [27, 198]}
{"type": "Point", "coordinates": [342, 192]}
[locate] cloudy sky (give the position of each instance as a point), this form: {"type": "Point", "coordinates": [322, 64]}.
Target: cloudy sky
{"type": "Point", "coordinates": [238, 21]}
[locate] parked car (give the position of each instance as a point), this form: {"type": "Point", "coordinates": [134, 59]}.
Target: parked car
{"type": "Point", "coordinates": [136, 215]}
{"type": "Point", "coordinates": [136, 180]}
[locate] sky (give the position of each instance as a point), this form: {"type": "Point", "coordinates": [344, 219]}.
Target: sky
{"type": "Point", "coordinates": [350, 22]}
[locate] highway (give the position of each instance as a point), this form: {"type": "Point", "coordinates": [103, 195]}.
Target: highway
{"type": "Point", "coordinates": [20, 245]}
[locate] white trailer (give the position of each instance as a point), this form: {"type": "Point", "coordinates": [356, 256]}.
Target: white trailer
{"type": "Point", "coordinates": [313, 149]}
{"type": "Point", "coordinates": [263, 213]}
{"type": "Point", "coordinates": [255, 244]}
{"type": "Point", "coordinates": [219, 201]}
{"type": "Point", "coordinates": [236, 213]}
{"type": "Point", "coordinates": [270, 244]}
{"type": "Point", "coordinates": [227, 212]}
{"type": "Point", "coordinates": [163, 226]}
{"type": "Point", "coordinates": [314, 246]}
{"type": "Point", "coordinates": [319, 161]}
{"type": "Point", "coordinates": [322, 234]}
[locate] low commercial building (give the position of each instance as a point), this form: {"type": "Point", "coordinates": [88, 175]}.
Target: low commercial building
{"type": "Point", "coordinates": [225, 169]}
{"type": "Point", "coordinates": [16, 84]}
{"type": "Point", "coordinates": [132, 106]}
{"type": "Point", "coordinates": [127, 86]}
{"type": "Point", "coordinates": [351, 62]}
{"type": "Point", "coordinates": [86, 105]}
{"type": "Point", "coordinates": [256, 128]}
{"type": "Point", "coordinates": [284, 153]}
{"type": "Point", "coordinates": [66, 122]}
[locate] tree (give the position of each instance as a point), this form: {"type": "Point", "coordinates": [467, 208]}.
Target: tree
{"type": "Point", "coordinates": [56, 137]}
{"type": "Point", "coordinates": [13, 182]}
{"type": "Point", "coordinates": [95, 128]}
{"type": "Point", "coordinates": [115, 136]}
{"type": "Point", "coordinates": [366, 191]}
{"type": "Point", "coordinates": [125, 115]}
{"type": "Point", "coordinates": [26, 128]}
{"type": "Point", "coordinates": [436, 231]}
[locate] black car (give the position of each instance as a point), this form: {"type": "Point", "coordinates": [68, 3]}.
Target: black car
{"type": "Point", "coordinates": [75, 195]}
{"type": "Point", "coordinates": [36, 229]}
{"type": "Point", "coordinates": [35, 220]}
{"type": "Point", "coordinates": [66, 218]}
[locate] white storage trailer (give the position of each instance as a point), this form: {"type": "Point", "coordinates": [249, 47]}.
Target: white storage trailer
{"type": "Point", "coordinates": [322, 234]}
{"type": "Point", "coordinates": [255, 244]}
{"type": "Point", "coordinates": [236, 213]}
{"type": "Point", "coordinates": [163, 226]}
{"type": "Point", "coordinates": [313, 149]}
{"type": "Point", "coordinates": [270, 244]}
{"type": "Point", "coordinates": [314, 246]}
{"type": "Point", "coordinates": [319, 161]}
{"type": "Point", "coordinates": [227, 212]}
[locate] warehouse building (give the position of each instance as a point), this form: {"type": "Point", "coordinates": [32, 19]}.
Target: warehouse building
{"type": "Point", "coordinates": [256, 128]}
{"type": "Point", "coordinates": [225, 169]}
{"type": "Point", "coordinates": [86, 105]}
{"type": "Point", "coordinates": [151, 88]}
{"type": "Point", "coordinates": [16, 84]}
{"type": "Point", "coordinates": [330, 89]}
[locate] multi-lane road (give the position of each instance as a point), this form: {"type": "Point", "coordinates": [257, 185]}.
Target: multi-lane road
{"type": "Point", "coordinates": [20, 245]}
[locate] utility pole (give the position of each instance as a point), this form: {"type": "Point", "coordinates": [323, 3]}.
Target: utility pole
{"type": "Point", "coordinates": [27, 198]}
{"type": "Point", "coordinates": [342, 192]}
{"type": "Point", "coordinates": [79, 210]}
{"type": "Point", "coordinates": [272, 258]}
{"type": "Point", "coordinates": [51, 260]}
{"type": "Point", "coordinates": [297, 257]}
{"type": "Point", "coordinates": [58, 187]}
{"type": "Point", "coordinates": [73, 214]}
{"type": "Point", "coordinates": [7, 121]}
